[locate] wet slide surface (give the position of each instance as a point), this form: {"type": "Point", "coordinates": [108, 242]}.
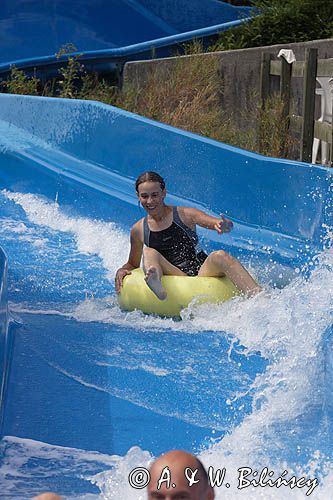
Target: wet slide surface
{"type": "Point", "coordinates": [94, 391]}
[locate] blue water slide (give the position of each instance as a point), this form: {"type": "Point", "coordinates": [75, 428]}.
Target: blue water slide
{"type": "Point", "coordinates": [104, 31]}
{"type": "Point", "coordinates": [4, 334]}
{"type": "Point", "coordinates": [90, 391]}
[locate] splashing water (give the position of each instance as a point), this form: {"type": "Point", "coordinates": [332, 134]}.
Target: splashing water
{"type": "Point", "coordinates": [106, 245]}
{"type": "Point", "coordinates": [288, 427]}
{"type": "Point", "coordinates": [287, 326]}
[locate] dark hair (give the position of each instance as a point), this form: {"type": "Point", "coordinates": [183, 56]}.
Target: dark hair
{"type": "Point", "coordinates": [149, 177]}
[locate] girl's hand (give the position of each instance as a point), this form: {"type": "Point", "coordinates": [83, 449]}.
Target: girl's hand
{"type": "Point", "coordinates": [120, 275]}
{"type": "Point", "coordinates": [224, 225]}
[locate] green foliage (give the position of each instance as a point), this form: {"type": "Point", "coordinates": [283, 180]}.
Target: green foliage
{"type": "Point", "coordinates": [73, 81]}
{"type": "Point", "coordinates": [67, 48]}
{"type": "Point", "coordinates": [76, 83]}
{"type": "Point", "coordinates": [281, 21]}
{"type": "Point", "coordinates": [19, 83]}
{"type": "Point", "coordinates": [97, 90]}
{"type": "Point", "coordinates": [71, 73]}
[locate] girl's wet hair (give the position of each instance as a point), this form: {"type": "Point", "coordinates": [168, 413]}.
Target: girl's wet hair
{"type": "Point", "coordinates": [149, 177]}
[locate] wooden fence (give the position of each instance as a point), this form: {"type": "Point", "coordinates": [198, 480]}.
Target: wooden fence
{"type": "Point", "coordinates": [309, 70]}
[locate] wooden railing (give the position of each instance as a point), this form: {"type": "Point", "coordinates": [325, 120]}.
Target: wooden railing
{"type": "Point", "coordinates": [309, 70]}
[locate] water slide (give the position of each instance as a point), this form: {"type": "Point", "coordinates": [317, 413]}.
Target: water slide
{"type": "Point", "coordinates": [106, 32]}
{"type": "Point", "coordinates": [90, 392]}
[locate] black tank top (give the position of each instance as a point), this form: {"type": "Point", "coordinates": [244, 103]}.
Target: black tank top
{"type": "Point", "coordinates": [178, 243]}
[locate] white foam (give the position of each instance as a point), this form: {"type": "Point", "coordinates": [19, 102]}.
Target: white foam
{"type": "Point", "coordinates": [13, 138]}
{"type": "Point", "coordinates": [27, 308]}
{"type": "Point", "coordinates": [286, 326]}
{"type": "Point", "coordinates": [92, 237]}
{"type": "Point", "coordinates": [13, 226]}
{"type": "Point", "coordinates": [112, 483]}
{"type": "Point", "coordinates": [27, 465]}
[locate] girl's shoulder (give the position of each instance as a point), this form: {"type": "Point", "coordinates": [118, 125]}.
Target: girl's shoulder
{"type": "Point", "coordinates": [186, 216]}
{"type": "Point", "coordinates": [137, 229]}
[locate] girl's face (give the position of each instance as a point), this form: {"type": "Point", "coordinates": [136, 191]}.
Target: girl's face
{"type": "Point", "coordinates": [151, 196]}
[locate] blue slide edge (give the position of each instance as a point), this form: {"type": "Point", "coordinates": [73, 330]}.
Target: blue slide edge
{"type": "Point", "coordinates": [126, 53]}
{"type": "Point", "coordinates": [113, 30]}
{"type": "Point", "coordinates": [4, 333]}
{"type": "Point", "coordinates": [286, 204]}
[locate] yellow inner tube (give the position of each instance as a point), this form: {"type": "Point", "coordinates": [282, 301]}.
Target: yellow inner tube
{"type": "Point", "coordinates": [181, 290]}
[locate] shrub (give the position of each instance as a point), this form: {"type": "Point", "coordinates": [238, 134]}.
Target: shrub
{"type": "Point", "coordinates": [281, 21]}
{"type": "Point", "coordinates": [19, 83]}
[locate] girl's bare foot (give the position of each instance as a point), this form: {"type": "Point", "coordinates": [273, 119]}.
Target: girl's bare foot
{"type": "Point", "coordinates": [254, 291]}
{"type": "Point", "coordinates": [153, 280]}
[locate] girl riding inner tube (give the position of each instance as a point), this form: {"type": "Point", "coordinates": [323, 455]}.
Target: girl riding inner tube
{"type": "Point", "coordinates": [167, 240]}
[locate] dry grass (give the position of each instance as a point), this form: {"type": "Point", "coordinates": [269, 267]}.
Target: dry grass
{"type": "Point", "coordinates": [273, 136]}
{"type": "Point", "coordinates": [185, 93]}
{"type": "Point", "coordinates": [188, 94]}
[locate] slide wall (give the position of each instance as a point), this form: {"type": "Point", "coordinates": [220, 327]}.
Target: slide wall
{"type": "Point", "coordinates": [4, 341]}
{"type": "Point", "coordinates": [106, 31]}
{"type": "Point", "coordinates": [264, 193]}
{"type": "Point", "coordinates": [86, 381]}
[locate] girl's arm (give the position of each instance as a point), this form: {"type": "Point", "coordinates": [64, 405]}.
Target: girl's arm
{"type": "Point", "coordinates": [195, 216]}
{"type": "Point", "coordinates": [134, 258]}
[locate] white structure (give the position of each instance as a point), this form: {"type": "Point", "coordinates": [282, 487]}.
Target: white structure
{"type": "Point", "coordinates": [326, 94]}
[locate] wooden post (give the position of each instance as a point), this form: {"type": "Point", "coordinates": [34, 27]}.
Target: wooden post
{"type": "Point", "coordinates": [264, 77]}
{"type": "Point", "coordinates": [310, 73]}
{"type": "Point", "coordinates": [265, 69]}
{"type": "Point", "coordinates": [331, 145]}
{"type": "Point", "coordinates": [285, 82]}
{"type": "Point", "coordinates": [285, 79]}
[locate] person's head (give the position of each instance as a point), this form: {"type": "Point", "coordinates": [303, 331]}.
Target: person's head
{"type": "Point", "coordinates": [48, 496]}
{"type": "Point", "coordinates": [177, 468]}
{"type": "Point", "coordinates": [149, 177]}
{"type": "Point", "coordinates": [150, 189]}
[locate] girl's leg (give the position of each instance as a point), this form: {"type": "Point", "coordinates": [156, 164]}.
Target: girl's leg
{"type": "Point", "coordinates": [221, 263]}
{"type": "Point", "coordinates": [154, 266]}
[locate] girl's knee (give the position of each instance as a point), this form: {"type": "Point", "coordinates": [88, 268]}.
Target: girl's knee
{"type": "Point", "coordinates": [150, 252]}
{"type": "Point", "coordinates": [221, 256]}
